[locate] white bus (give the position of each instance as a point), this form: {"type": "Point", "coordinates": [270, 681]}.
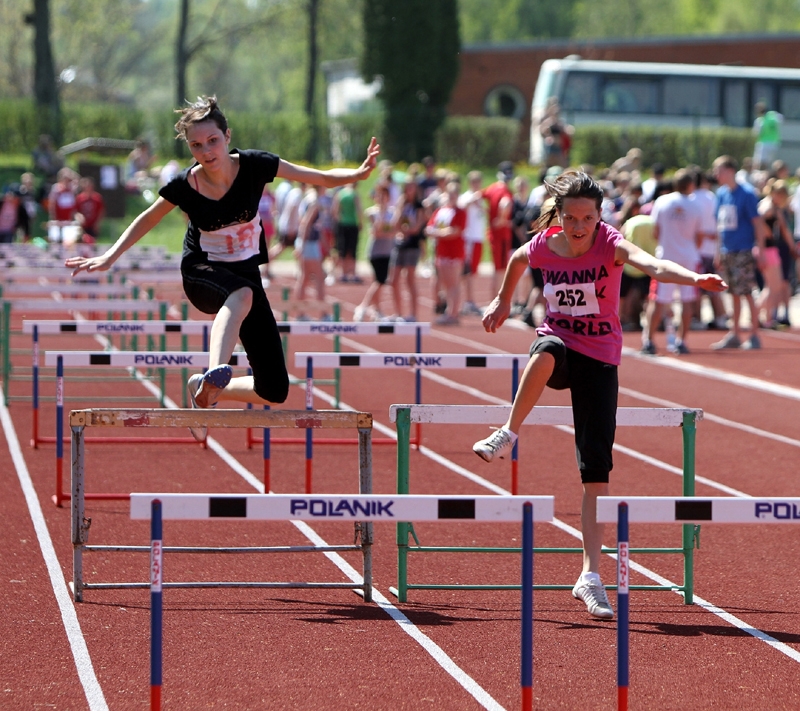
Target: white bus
{"type": "Point", "coordinates": [675, 95]}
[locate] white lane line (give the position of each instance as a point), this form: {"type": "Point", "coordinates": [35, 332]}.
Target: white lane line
{"type": "Point", "coordinates": [713, 418]}
{"type": "Point", "coordinates": [744, 381]}
{"type": "Point", "coordinates": [652, 575]}
{"type": "Point", "coordinates": [77, 643]}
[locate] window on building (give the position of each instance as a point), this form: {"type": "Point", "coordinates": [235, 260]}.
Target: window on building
{"type": "Point", "coordinates": [580, 92]}
{"type": "Point", "coordinates": [505, 100]}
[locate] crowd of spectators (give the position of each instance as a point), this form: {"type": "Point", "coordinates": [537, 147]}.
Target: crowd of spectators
{"type": "Point", "coordinates": [430, 221]}
{"type": "Point", "coordinates": [741, 221]}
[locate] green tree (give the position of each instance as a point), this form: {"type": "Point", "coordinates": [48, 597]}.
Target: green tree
{"type": "Point", "coordinates": [515, 20]}
{"type": "Point", "coordinates": [45, 87]}
{"type": "Point", "coordinates": [413, 46]}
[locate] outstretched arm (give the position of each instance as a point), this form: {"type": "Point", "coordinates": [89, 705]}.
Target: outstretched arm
{"type": "Point", "coordinates": [145, 222]}
{"type": "Point", "coordinates": [497, 312]}
{"type": "Point", "coordinates": [335, 177]}
{"type": "Point", "coordinates": [665, 270]}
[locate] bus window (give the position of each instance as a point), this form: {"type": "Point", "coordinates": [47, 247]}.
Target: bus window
{"type": "Point", "coordinates": [734, 104]}
{"type": "Point", "coordinates": [684, 96]}
{"type": "Point", "coordinates": [763, 91]}
{"type": "Point", "coordinates": [580, 92]}
{"type": "Point", "coordinates": [630, 96]}
{"type": "Point", "coordinates": [790, 102]}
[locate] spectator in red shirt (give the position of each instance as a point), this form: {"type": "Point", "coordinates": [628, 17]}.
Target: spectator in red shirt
{"type": "Point", "coordinates": [90, 208]}
{"type": "Point", "coordinates": [501, 202]}
{"type": "Point", "coordinates": [446, 226]}
{"type": "Point", "coordinates": [61, 203]}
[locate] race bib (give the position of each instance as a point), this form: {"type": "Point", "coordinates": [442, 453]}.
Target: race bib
{"type": "Point", "coordinates": [572, 299]}
{"type": "Point", "coordinates": [727, 218]}
{"type": "Point", "coordinates": [233, 243]}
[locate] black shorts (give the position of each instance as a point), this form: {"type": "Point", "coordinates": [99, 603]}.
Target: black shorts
{"type": "Point", "coordinates": [208, 285]}
{"type": "Point", "coordinates": [593, 386]}
{"type": "Point", "coordinates": [347, 240]}
{"type": "Point", "coordinates": [380, 265]}
{"type": "Point", "coordinates": [640, 284]}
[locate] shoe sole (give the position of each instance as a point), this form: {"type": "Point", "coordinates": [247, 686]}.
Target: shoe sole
{"type": "Point", "coordinates": [482, 455]}
{"type": "Point", "coordinates": [603, 616]}
{"type": "Point", "coordinates": [219, 377]}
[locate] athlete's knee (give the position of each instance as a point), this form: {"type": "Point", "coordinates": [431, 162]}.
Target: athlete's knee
{"type": "Point", "coordinates": [274, 389]}
{"type": "Point", "coordinates": [240, 300]}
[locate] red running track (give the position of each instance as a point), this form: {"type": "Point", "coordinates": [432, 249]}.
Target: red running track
{"type": "Point", "coordinates": [276, 649]}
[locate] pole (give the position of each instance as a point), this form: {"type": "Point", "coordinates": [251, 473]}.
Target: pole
{"type": "Point", "coordinates": [526, 664]}
{"type": "Point", "coordinates": [156, 605]}
{"type": "Point", "coordinates": [623, 595]}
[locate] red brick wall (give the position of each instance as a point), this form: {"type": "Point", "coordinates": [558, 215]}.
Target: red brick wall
{"type": "Point", "coordinates": [485, 67]}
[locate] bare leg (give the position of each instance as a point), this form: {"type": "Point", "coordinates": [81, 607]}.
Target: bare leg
{"type": "Point", "coordinates": [737, 313]}
{"type": "Point", "coordinates": [531, 386]}
{"type": "Point", "coordinates": [411, 281]}
{"type": "Point", "coordinates": [225, 329]}
{"type": "Point", "coordinates": [592, 531]}
{"type": "Point", "coordinates": [241, 389]}
{"type": "Point", "coordinates": [652, 318]}
{"type": "Point", "coordinates": [687, 309]}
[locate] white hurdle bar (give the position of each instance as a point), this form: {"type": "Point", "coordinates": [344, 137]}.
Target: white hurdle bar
{"type": "Point", "coordinates": [401, 361]}
{"type": "Point", "coordinates": [292, 419]}
{"type": "Point", "coordinates": [325, 507]}
{"type": "Point", "coordinates": [540, 415]}
{"type": "Point", "coordinates": [87, 290]}
{"type": "Point", "coordinates": [671, 509]}
{"type": "Point", "coordinates": [115, 305]}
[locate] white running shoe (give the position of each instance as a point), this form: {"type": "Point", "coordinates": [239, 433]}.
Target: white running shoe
{"type": "Point", "coordinates": [591, 591]}
{"type": "Point", "coordinates": [497, 444]}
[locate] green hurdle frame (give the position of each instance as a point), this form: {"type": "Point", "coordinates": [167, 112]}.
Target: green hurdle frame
{"type": "Point", "coordinates": [405, 530]}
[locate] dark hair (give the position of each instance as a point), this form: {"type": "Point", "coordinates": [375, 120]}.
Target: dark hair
{"type": "Point", "coordinates": [571, 184]}
{"type": "Point", "coordinates": [205, 108]}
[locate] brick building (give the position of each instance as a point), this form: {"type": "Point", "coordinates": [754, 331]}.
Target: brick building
{"type": "Point", "coordinates": [500, 79]}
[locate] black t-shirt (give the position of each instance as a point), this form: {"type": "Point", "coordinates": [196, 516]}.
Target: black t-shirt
{"type": "Point", "coordinates": [228, 229]}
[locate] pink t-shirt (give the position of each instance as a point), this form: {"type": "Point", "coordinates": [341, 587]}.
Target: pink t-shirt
{"type": "Point", "coordinates": [582, 295]}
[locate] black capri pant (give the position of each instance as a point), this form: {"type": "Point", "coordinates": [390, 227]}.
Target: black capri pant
{"type": "Point", "coordinates": [208, 285]}
{"type": "Point", "coordinates": [593, 386]}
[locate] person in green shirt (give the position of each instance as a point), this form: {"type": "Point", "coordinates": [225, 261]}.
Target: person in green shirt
{"type": "Point", "coordinates": [346, 212]}
{"type": "Point", "coordinates": [767, 128]}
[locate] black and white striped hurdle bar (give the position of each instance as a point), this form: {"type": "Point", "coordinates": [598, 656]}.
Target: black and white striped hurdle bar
{"type": "Point", "coordinates": [422, 361]}
{"type": "Point", "coordinates": [313, 507]}
{"type": "Point", "coordinates": [670, 509]}
{"type": "Point", "coordinates": [301, 328]}
{"type": "Point", "coordinates": [540, 415]}
{"type": "Point", "coordinates": [107, 328]}
{"type": "Point", "coordinates": [138, 359]}
{"type": "Point", "coordinates": [352, 328]}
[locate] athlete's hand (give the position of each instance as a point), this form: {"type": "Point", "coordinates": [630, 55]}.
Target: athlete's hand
{"type": "Point", "coordinates": [496, 313]}
{"type": "Point", "coordinates": [89, 264]}
{"type": "Point", "coordinates": [373, 151]}
{"type": "Point", "coordinates": [711, 282]}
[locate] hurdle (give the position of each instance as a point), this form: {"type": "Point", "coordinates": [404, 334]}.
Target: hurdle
{"type": "Point", "coordinates": [150, 306]}
{"type": "Point", "coordinates": [227, 506]}
{"type": "Point", "coordinates": [119, 359]}
{"type": "Point", "coordinates": [107, 329]}
{"type": "Point", "coordinates": [405, 415]}
{"type": "Point", "coordinates": [294, 507]}
{"type": "Point", "coordinates": [336, 329]}
{"type": "Point", "coordinates": [670, 509]}
{"type": "Point", "coordinates": [423, 361]}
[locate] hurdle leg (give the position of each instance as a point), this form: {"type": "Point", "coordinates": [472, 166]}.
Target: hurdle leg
{"type": "Point", "coordinates": [689, 431]}
{"type": "Point", "coordinates": [59, 497]}
{"type": "Point", "coordinates": [364, 528]}
{"type": "Point", "coordinates": [526, 655]}
{"type": "Point", "coordinates": [403, 422]}
{"type": "Point", "coordinates": [5, 345]}
{"type": "Point", "coordinates": [35, 393]}
{"type": "Point", "coordinates": [156, 604]}
{"type": "Point", "coordinates": [80, 526]}
{"type": "Point", "coordinates": [623, 607]}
